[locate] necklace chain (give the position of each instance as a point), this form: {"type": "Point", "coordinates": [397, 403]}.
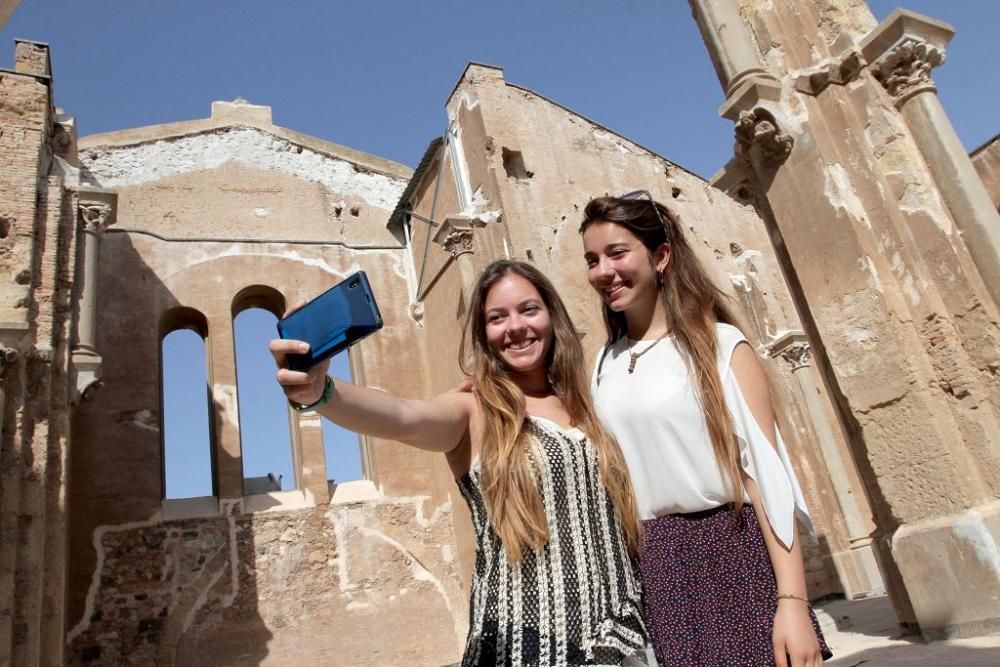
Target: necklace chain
{"type": "Point", "coordinates": [634, 356]}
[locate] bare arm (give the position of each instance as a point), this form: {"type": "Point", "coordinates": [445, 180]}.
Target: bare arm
{"type": "Point", "coordinates": [439, 424]}
{"type": "Point", "coordinates": [793, 632]}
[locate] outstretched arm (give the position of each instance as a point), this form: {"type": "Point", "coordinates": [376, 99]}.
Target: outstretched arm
{"type": "Point", "coordinates": [794, 637]}
{"type": "Point", "coordinates": [439, 424]}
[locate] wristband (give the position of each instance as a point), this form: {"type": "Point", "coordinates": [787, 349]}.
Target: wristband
{"type": "Point", "coordinates": [329, 389]}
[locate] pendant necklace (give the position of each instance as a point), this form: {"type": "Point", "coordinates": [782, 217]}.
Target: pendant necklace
{"type": "Point", "coordinates": [634, 356]}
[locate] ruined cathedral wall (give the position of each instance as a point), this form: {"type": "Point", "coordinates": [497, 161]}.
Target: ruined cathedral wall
{"type": "Point", "coordinates": [38, 236]}
{"type": "Point", "coordinates": [202, 218]}
{"type": "Point", "coordinates": [537, 164]}
{"type": "Point", "coordinates": [916, 259]}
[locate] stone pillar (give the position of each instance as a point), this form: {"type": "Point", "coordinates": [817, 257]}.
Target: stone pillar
{"type": "Point", "coordinates": [870, 304]}
{"type": "Point", "coordinates": [96, 211]}
{"type": "Point", "coordinates": [902, 51]}
{"type": "Point", "coordinates": [225, 412]}
{"type": "Point", "coordinates": [728, 42]}
{"type": "Point", "coordinates": [858, 568]}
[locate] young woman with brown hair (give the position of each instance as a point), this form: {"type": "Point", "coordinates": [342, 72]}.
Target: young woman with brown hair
{"type": "Point", "coordinates": [555, 579]}
{"type": "Point", "coordinates": [682, 391]}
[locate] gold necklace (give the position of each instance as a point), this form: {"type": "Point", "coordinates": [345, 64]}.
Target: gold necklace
{"type": "Point", "coordinates": [634, 356]}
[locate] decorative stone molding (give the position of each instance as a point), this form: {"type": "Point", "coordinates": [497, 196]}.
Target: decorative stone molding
{"type": "Point", "coordinates": [456, 235]}
{"type": "Point", "coordinates": [793, 347]}
{"type": "Point", "coordinates": [759, 127]}
{"type": "Point", "coordinates": [903, 50]}
{"type": "Point", "coordinates": [85, 374]}
{"type": "Point", "coordinates": [906, 69]}
{"type": "Point", "coordinates": [95, 216]}
{"type": "Point", "coordinates": [755, 110]}
{"type": "Point", "coordinates": [837, 71]}
{"type": "Point", "coordinates": [458, 243]}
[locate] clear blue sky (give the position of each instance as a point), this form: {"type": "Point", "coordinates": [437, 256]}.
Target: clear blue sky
{"type": "Point", "coordinates": [374, 76]}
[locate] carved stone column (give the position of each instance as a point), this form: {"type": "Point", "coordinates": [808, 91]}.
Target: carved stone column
{"type": "Point", "coordinates": [858, 568]}
{"type": "Point", "coordinates": [96, 210]}
{"type": "Point", "coordinates": [902, 51]}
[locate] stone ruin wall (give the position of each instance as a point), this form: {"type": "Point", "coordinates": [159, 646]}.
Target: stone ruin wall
{"type": "Point", "coordinates": [207, 210]}
{"type": "Point", "coordinates": [38, 235]}
{"type": "Point", "coordinates": [529, 167]}
{"type": "Point", "coordinates": [838, 117]}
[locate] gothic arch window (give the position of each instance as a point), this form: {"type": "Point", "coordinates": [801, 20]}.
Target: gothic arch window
{"type": "Point", "coordinates": [185, 400]}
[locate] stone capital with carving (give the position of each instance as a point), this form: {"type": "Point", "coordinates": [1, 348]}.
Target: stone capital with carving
{"type": "Point", "coordinates": [903, 49]}
{"type": "Point", "coordinates": [758, 127]}
{"type": "Point", "coordinates": [456, 234]}
{"type": "Point", "coordinates": [458, 242]}
{"type": "Point", "coordinates": [793, 347]}
{"type": "Point", "coordinates": [95, 216]}
{"type": "Point", "coordinates": [906, 69]}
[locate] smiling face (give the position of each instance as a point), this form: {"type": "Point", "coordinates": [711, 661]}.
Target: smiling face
{"type": "Point", "coordinates": [620, 268]}
{"type": "Point", "coordinates": [518, 324]}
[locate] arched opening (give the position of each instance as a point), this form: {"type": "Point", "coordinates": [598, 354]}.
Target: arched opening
{"type": "Point", "coordinates": [265, 436]}
{"type": "Point", "coordinates": [185, 397]}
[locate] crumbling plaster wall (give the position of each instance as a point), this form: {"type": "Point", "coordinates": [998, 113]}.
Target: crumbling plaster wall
{"type": "Point", "coordinates": [203, 215]}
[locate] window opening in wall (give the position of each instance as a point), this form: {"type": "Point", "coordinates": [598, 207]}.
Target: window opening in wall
{"type": "Point", "coordinates": [341, 448]}
{"type": "Point", "coordinates": [265, 439]}
{"type": "Point", "coordinates": [187, 442]}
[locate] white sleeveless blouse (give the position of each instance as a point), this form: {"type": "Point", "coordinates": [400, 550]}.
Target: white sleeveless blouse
{"type": "Point", "coordinates": [655, 415]}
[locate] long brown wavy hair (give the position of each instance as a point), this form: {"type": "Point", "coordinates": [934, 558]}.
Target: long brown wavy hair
{"type": "Point", "coordinates": [510, 487]}
{"type": "Point", "coordinates": [693, 305]}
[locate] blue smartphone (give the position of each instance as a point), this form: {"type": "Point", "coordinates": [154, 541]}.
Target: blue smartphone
{"type": "Point", "coordinates": [333, 321]}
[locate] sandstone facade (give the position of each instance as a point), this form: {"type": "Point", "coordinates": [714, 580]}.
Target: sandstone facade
{"type": "Point", "coordinates": [855, 241]}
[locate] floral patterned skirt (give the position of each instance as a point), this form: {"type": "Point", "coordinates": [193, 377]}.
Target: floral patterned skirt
{"type": "Point", "coordinates": [709, 590]}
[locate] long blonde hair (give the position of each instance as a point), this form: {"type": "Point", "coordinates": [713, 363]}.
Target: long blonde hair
{"type": "Point", "coordinates": [693, 305]}
{"type": "Point", "coordinates": [510, 488]}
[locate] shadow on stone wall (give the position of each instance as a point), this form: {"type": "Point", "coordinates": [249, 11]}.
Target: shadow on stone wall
{"type": "Point", "coordinates": [181, 592]}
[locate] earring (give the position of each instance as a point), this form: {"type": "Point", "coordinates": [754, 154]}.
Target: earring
{"type": "Point", "coordinates": [659, 279]}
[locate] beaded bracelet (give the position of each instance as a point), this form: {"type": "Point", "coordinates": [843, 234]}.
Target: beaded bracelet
{"type": "Point", "coordinates": [328, 390]}
{"type": "Point", "coordinates": [789, 596]}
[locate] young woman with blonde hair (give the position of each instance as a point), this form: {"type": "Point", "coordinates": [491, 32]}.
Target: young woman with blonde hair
{"type": "Point", "coordinates": [684, 394]}
{"type": "Point", "coordinates": [555, 579]}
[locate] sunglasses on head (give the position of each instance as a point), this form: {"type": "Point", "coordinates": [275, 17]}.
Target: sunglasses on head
{"type": "Point", "coordinates": [640, 194]}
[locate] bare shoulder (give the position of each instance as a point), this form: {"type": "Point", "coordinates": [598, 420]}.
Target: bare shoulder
{"type": "Point", "coordinates": [752, 380]}
{"type": "Point", "coordinates": [748, 370]}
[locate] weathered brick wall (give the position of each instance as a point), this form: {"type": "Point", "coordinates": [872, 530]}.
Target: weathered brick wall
{"type": "Point", "coordinates": [37, 269]}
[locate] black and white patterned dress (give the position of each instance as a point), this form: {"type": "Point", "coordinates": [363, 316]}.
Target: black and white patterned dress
{"type": "Point", "coordinates": [577, 599]}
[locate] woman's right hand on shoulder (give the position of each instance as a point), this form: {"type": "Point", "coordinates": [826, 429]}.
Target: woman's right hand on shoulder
{"type": "Point", "coordinates": [303, 387]}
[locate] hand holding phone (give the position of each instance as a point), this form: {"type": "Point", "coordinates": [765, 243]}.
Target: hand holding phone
{"type": "Point", "coordinates": [333, 321]}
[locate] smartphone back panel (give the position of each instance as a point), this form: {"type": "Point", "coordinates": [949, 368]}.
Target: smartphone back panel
{"type": "Point", "coordinates": [333, 321]}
